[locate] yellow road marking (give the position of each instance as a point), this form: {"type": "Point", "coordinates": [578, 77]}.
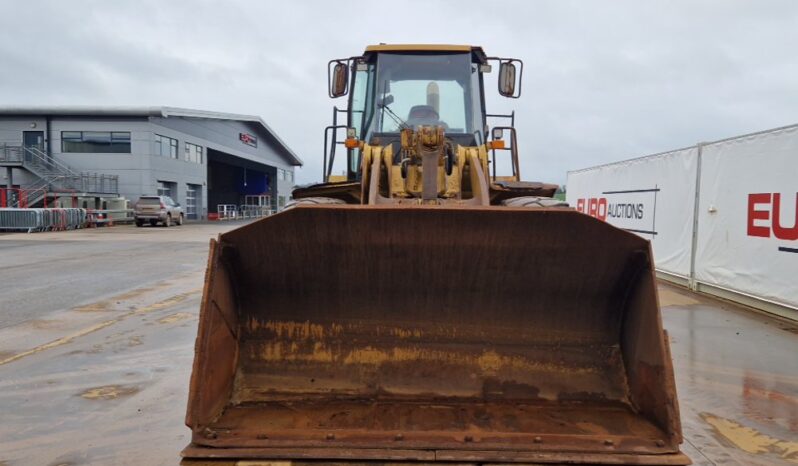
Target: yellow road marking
{"type": "Point", "coordinates": [68, 339]}
{"type": "Point", "coordinates": [59, 342]}
{"type": "Point", "coordinates": [751, 440]}
{"type": "Point", "coordinates": [175, 318]}
{"type": "Point", "coordinates": [108, 392]}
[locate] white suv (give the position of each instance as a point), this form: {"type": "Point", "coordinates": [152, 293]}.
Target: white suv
{"type": "Point", "coordinates": [156, 209]}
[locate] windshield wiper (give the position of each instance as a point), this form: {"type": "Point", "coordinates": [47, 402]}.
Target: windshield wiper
{"type": "Point", "coordinates": [398, 120]}
{"type": "Point", "coordinates": [384, 102]}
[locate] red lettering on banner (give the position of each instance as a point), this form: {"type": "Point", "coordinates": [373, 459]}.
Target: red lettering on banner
{"type": "Point", "coordinates": [601, 211]}
{"type": "Point", "coordinates": [780, 232]}
{"type": "Point", "coordinates": [592, 207]}
{"type": "Point", "coordinates": [754, 214]}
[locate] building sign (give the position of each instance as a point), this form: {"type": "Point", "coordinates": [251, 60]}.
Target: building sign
{"type": "Point", "coordinates": [722, 214]}
{"type": "Point", "coordinates": [248, 139]}
{"type": "Point", "coordinates": [633, 210]}
{"type": "Point", "coordinates": [653, 197]}
{"type": "Point", "coordinates": [766, 218]}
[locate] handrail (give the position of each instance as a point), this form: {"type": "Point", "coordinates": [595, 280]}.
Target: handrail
{"type": "Point", "coordinates": [511, 117]}
{"type": "Point", "coordinates": [47, 161]}
{"type": "Point", "coordinates": [513, 152]}
{"type": "Point", "coordinates": [52, 172]}
{"type": "Point", "coordinates": [327, 167]}
{"type": "Point", "coordinates": [25, 197]}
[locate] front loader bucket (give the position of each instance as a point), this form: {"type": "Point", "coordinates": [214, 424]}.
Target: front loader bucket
{"type": "Point", "coordinates": [430, 333]}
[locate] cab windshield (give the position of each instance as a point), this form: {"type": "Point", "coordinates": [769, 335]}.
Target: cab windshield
{"type": "Point", "coordinates": [413, 89]}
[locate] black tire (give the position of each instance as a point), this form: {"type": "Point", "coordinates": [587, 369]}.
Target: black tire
{"type": "Point", "coordinates": [168, 222]}
{"type": "Point", "coordinates": [312, 201]}
{"type": "Point", "coordinates": [534, 202]}
{"type": "Point", "coordinates": [180, 220]}
{"type": "Point", "coordinates": [153, 223]}
{"type": "Point", "coordinates": [139, 223]}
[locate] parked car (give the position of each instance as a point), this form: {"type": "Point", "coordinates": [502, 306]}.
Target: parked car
{"type": "Point", "coordinates": [156, 209]}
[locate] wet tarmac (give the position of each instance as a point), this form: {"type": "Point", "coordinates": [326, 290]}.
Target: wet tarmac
{"type": "Point", "coordinates": [737, 381]}
{"type": "Point", "coordinates": [98, 373]}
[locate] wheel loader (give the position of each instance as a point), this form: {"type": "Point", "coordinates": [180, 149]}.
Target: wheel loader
{"type": "Point", "coordinates": [421, 305]}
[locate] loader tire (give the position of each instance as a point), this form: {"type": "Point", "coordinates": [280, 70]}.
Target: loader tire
{"type": "Point", "coordinates": [312, 201]}
{"type": "Point", "coordinates": [534, 202]}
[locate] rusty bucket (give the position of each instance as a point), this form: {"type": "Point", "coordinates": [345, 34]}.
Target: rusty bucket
{"type": "Point", "coordinates": [430, 333]}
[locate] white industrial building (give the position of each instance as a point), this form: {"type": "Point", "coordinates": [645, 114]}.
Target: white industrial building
{"type": "Point", "coordinates": [201, 159]}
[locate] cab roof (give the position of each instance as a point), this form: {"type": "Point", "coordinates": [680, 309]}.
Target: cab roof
{"type": "Point", "coordinates": [477, 51]}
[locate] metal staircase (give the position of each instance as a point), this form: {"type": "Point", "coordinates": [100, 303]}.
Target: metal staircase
{"type": "Point", "coordinates": [53, 177]}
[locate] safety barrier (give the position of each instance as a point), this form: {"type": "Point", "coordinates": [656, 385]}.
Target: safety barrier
{"type": "Point", "coordinates": [244, 211]}
{"type": "Point", "coordinates": [227, 211]}
{"type": "Point", "coordinates": [254, 211]}
{"type": "Point", "coordinates": [22, 197]}
{"type": "Point", "coordinates": [31, 220]}
{"type": "Point", "coordinates": [96, 218]}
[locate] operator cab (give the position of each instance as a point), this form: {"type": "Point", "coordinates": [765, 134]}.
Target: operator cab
{"type": "Point", "coordinates": [394, 87]}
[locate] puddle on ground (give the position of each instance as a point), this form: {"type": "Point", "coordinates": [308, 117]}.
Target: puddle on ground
{"type": "Point", "coordinates": [134, 293]}
{"type": "Point", "coordinates": [106, 304]}
{"type": "Point", "coordinates": [45, 324]}
{"type": "Point", "coordinates": [134, 341]}
{"type": "Point", "coordinates": [669, 297]}
{"type": "Point", "coordinates": [95, 349]}
{"type": "Point", "coordinates": [62, 462]}
{"type": "Point", "coordinates": [771, 402]}
{"type": "Point", "coordinates": [176, 299]}
{"type": "Point", "coordinates": [109, 392]}
{"type": "Point", "coordinates": [751, 440]}
{"type": "Point", "coordinates": [99, 306]}
{"type": "Point", "coordinates": [254, 463]}
{"type": "Point", "coordinates": [175, 318]}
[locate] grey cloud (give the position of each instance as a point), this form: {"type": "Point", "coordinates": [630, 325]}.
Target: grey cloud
{"type": "Point", "coordinates": [603, 80]}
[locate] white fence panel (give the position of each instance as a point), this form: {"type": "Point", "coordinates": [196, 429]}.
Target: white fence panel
{"type": "Point", "coordinates": [30, 220]}
{"type": "Point", "coordinates": [747, 228]}
{"type": "Point", "coordinates": [652, 196]}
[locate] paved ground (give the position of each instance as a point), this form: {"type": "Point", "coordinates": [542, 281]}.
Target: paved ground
{"type": "Point", "coordinates": [96, 340]}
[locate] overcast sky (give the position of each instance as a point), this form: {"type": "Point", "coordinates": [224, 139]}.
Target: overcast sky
{"type": "Point", "coordinates": [604, 80]}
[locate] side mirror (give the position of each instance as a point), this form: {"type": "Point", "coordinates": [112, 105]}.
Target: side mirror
{"type": "Point", "coordinates": [498, 133]}
{"type": "Point", "coordinates": [507, 79]}
{"type": "Point", "coordinates": [385, 101]}
{"type": "Point", "coordinates": [339, 83]}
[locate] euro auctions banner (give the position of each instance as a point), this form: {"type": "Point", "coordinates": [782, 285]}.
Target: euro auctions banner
{"type": "Point", "coordinates": [652, 196]}
{"type": "Point", "coordinates": [747, 227]}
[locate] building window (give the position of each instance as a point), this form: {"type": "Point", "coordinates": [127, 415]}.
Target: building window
{"type": "Point", "coordinates": [193, 153]}
{"type": "Point", "coordinates": [289, 175]}
{"type": "Point", "coordinates": [193, 193]}
{"type": "Point", "coordinates": [165, 147]}
{"type": "Point", "coordinates": [280, 174]}
{"type": "Point", "coordinates": [165, 188]}
{"type": "Point", "coordinates": [114, 142]}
